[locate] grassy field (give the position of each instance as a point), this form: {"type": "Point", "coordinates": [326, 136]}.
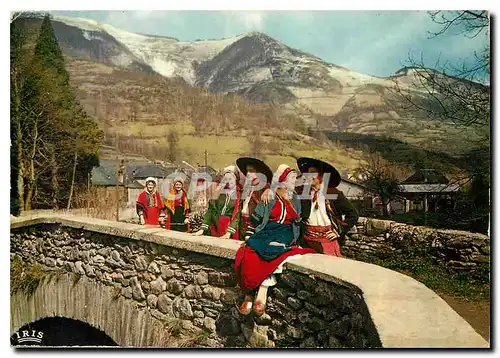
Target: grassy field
{"type": "Point", "coordinates": [224, 148]}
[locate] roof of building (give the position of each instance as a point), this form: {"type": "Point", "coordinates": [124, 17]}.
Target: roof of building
{"type": "Point", "coordinates": [429, 188]}
{"type": "Point", "coordinates": [144, 170]}
{"type": "Point", "coordinates": [105, 173]}
{"type": "Point", "coordinates": [348, 181]}
{"type": "Point", "coordinates": [430, 176]}
{"type": "Point", "coordinates": [134, 185]}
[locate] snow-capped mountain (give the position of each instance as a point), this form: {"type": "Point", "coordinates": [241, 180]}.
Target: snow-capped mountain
{"type": "Point", "coordinates": [263, 70]}
{"type": "Point", "coordinates": [164, 55]}
{"type": "Point", "coordinates": [225, 65]}
{"type": "Point", "coordinates": [254, 65]}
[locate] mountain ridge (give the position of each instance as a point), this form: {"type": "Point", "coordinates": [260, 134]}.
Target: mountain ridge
{"type": "Point", "coordinates": [263, 70]}
{"type": "Point", "coordinates": [97, 25]}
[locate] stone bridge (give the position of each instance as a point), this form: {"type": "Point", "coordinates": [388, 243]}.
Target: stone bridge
{"type": "Point", "coordinates": [148, 287]}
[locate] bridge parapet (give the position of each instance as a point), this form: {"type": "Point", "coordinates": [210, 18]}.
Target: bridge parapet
{"type": "Point", "coordinates": [454, 249]}
{"type": "Point", "coordinates": [173, 279]}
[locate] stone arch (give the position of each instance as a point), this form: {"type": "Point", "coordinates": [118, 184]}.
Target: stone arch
{"type": "Point", "coordinates": [90, 302]}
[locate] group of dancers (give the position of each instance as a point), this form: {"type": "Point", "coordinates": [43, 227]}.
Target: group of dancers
{"type": "Point", "coordinates": [276, 215]}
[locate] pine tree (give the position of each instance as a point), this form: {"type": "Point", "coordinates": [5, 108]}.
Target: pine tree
{"type": "Point", "coordinates": [61, 141]}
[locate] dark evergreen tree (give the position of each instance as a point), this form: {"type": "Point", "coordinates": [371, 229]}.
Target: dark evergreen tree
{"type": "Point", "coordinates": [56, 131]}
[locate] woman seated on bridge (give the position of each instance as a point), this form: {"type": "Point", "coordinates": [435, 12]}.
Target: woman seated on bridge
{"type": "Point", "coordinates": [222, 216]}
{"type": "Point", "coordinates": [150, 206]}
{"type": "Point", "coordinates": [271, 239]}
{"type": "Point", "coordinates": [177, 207]}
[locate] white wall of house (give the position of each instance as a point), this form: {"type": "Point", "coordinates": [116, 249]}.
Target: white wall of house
{"type": "Point", "coordinates": [352, 191]}
{"type": "Point", "coordinates": [133, 194]}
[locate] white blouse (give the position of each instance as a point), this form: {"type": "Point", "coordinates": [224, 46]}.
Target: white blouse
{"type": "Point", "coordinates": [319, 216]}
{"type": "Point", "coordinates": [244, 210]}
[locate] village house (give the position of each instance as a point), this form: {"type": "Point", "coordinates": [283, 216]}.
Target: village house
{"type": "Point", "coordinates": [367, 201]}
{"type": "Point", "coordinates": [429, 190]}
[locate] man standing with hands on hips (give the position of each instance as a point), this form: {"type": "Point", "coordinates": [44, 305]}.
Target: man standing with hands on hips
{"type": "Point", "coordinates": [323, 206]}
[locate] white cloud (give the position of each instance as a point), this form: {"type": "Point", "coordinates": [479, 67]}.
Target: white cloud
{"type": "Point", "coordinates": [251, 20]}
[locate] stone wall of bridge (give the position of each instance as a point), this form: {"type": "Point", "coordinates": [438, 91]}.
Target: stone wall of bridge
{"type": "Point", "coordinates": [197, 290]}
{"type": "Point", "coordinates": [457, 250]}
{"type": "Point", "coordinates": [175, 283]}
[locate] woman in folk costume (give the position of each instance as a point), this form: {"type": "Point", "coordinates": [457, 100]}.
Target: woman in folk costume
{"type": "Point", "coordinates": [177, 207]}
{"type": "Point", "coordinates": [203, 176]}
{"type": "Point", "coordinates": [271, 240]}
{"type": "Point", "coordinates": [324, 229]}
{"type": "Point", "coordinates": [258, 177]}
{"type": "Point", "coordinates": [149, 205]}
{"type": "Point", "coordinates": [222, 216]}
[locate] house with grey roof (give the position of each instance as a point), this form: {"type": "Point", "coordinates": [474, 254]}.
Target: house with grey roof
{"type": "Point", "coordinates": [366, 200]}
{"type": "Point", "coordinates": [429, 190]}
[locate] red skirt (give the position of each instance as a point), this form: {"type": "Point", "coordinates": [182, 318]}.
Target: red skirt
{"type": "Point", "coordinates": [152, 217]}
{"type": "Point", "coordinates": [251, 270]}
{"type": "Point", "coordinates": [221, 228]}
{"type": "Point", "coordinates": [315, 237]}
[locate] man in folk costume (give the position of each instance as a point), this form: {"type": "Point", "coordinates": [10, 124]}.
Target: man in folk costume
{"type": "Point", "coordinates": [222, 216]}
{"type": "Point", "coordinates": [324, 229]}
{"type": "Point", "coordinates": [177, 207]}
{"type": "Point", "coordinates": [271, 240]}
{"type": "Point", "coordinates": [150, 206]}
{"type": "Point", "coordinates": [258, 179]}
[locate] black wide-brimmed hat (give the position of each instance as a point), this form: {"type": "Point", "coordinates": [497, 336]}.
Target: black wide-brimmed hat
{"type": "Point", "coordinates": [305, 163]}
{"type": "Point", "coordinates": [259, 165]}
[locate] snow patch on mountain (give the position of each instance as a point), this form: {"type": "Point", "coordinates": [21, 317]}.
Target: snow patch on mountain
{"type": "Point", "coordinates": [164, 68]}
{"type": "Point", "coordinates": [83, 24]}
{"type": "Point", "coordinates": [87, 35]}
{"type": "Point", "coordinates": [168, 56]}
{"type": "Point", "coordinates": [123, 36]}
{"type": "Point", "coordinates": [255, 75]}
{"type": "Point", "coordinates": [122, 60]}
{"type": "Point", "coordinates": [354, 79]}
{"type": "Point", "coordinates": [92, 35]}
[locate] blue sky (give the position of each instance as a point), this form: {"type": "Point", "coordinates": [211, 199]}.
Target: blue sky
{"type": "Point", "coordinates": [371, 42]}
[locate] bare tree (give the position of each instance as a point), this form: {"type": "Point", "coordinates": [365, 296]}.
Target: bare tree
{"type": "Point", "coordinates": [257, 144]}
{"type": "Point", "coordinates": [73, 173]}
{"type": "Point", "coordinates": [382, 177]}
{"type": "Point", "coordinates": [35, 148]}
{"type": "Point", "coordinates": [468, 22]}
{"type": "Point", "coordinates": [17, 81]}
{"type": "Point", "coordinates": [459, 94]}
